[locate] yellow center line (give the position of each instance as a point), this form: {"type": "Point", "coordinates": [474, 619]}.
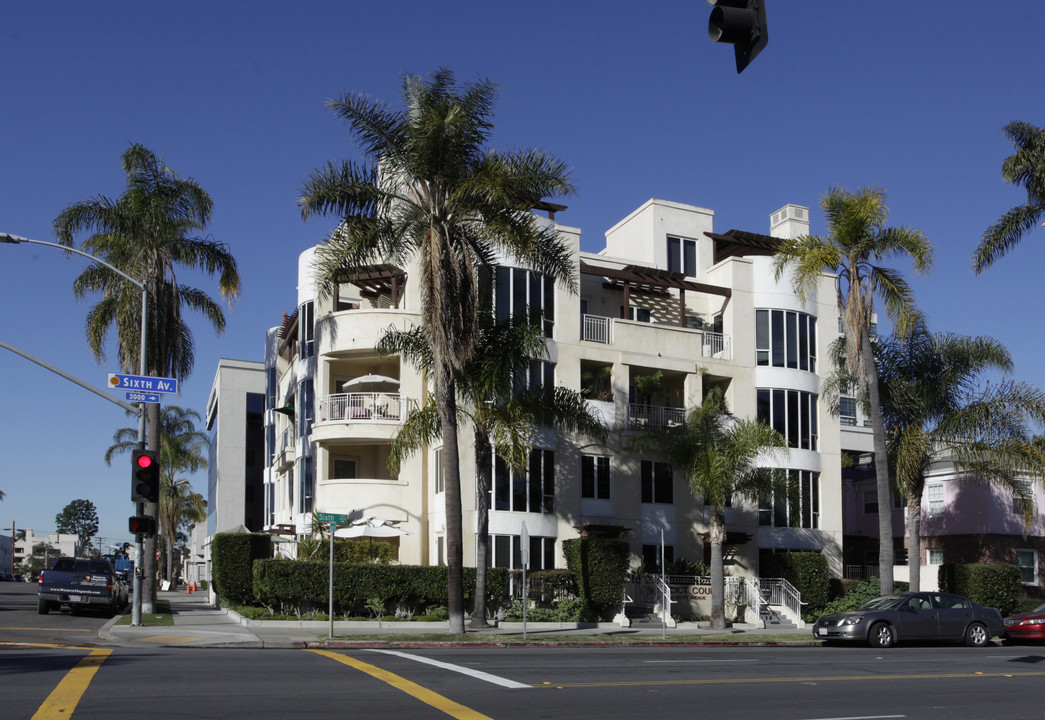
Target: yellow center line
{"type": "Point", "coordinates": [63, 699]}
{"type": "Point", "coordinates": [423, 694]}
{"type": "Point", "coordinates": [741, 681]}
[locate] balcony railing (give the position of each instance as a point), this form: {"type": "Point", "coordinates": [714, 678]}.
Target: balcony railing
{"type": "Point", "coordinates": [357, 407]}
{"type": "Point", "coordinates": [654, 417]}
{"type": "Point", "coordinates": [715, 345]}
{"type": "Point", "coordinates": [595, 328]}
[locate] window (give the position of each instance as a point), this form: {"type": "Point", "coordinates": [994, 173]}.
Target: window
{"type": "Point", "coordinates": [1022, 496]}
{"type": "Point", "coordinates": [507, 552]}
{"type": "Point", "coordinates": [308, 484]}
{"type": "Point", "coordinates": [871, 501]}
{"type": "Point", "coordinates": [529, 491]}
{"type": "Point", "coordinates": [307, 330]}
{"type": "Point", "coordinates": [1027, 561]}
{"type": "Point", "coordinates": [847, 410]}
{"type": "Point", "coordinates": [792, 413]}
{"type": "Point", "coordinates": [595, 477]}
{"type": "Point", "coordinates": [682, 255]}
{"type": "Point", "coordinates": [307, 409]}
{"type": "Point", "coordinates": [651, 557]}
{"type": "Point", "coordinates": [802, 510]}
{"type": "Point", "coordinates": [936, 557]}
{"type": "Point", "coordinates": [785, 339]}
{"type": "Point", "coordinates": [344, 469]}
{"type": "Point", "coordinates": [536, 374]}
{"type": "Point", "coordinates": [638, 314]}
{"type": "Point", "coordinates": [437, 471]}
{"type": "Point", "coordinates": [522, 295]}
{"type": "Point", "coordinates": [934, 500]}
{"type": "Point", "coordinates": [657, 483]}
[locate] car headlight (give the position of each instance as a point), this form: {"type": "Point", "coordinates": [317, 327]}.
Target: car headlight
{"type": "Point", "coordinates": [852, 620]}
{"type": "Point", "coordinates": [1034, 621]}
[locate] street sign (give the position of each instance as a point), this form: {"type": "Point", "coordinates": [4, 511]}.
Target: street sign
{"type": "Point", "coordinates": [143, 397]}
{"type": "Point", "coordinates": [332, 518]}
{"type": "Point", "coordinates": [142, 383]}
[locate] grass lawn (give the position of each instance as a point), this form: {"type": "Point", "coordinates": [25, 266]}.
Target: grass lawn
{"type": "Point", "coordinates": [157, 619]}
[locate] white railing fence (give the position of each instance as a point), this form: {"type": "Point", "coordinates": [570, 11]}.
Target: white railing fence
{"type": "Point", "coordinates": [363, 406]}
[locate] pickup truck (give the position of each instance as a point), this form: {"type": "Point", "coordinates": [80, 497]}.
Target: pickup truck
{"type": "Point", "coordinates": [81, 583]}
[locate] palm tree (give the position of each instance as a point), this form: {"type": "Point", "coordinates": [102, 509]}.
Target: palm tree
{"type": "Point", "coordinates": [858, 240]}
{"type": "Point", "coordinates": [431, 191]}
{"type": "Point", "coordinates": [504, 419]}
{"type": "Point", "coordinates": [1024, 167]}
{"type": "Point", "coordinates": [720, 456]}
{"type": "Point", "coordinates": [936, 408]}
{"type": "Point", "coordinates": [147, 233]}
{"type": "Point", "coordinates": [182, 450]}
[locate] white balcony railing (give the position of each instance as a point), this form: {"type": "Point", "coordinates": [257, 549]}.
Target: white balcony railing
{"type": "Point", "coordinates": [715, 345]}
{"type": "Point", "coordinates": [356, 407]}
{"type": "Point", "coordinates": [595, 328]}
{"type": "Point", "coordinates": [654, 417]}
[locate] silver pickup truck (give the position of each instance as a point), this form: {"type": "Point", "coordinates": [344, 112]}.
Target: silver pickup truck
{"type": "Point", "coordinates": [81, 583]}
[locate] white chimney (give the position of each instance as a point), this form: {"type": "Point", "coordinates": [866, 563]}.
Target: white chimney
{"type": "Point", "coordinates": [790, 221]}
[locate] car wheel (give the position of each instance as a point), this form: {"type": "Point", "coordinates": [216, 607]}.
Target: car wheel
{"type": "Point", "coordinates": [43, 607]}
{"type": "Point", "coordinates": [881, 635]}
{"type": "Point", "coordinates": [976, 635]}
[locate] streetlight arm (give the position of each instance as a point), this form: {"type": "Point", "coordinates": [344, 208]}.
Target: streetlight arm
{"type": "Point", "coordinates": [18, 239]}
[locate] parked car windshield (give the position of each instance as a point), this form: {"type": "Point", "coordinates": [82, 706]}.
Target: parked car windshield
{"type": "Point", "coordinates": [886, 602]}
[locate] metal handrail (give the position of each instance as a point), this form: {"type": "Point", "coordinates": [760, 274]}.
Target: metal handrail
{"type": "Point", "coordinates": [778, 591]}
{"type": "Point", "coordinates": [363, 406]}
{"type": "Point", "coordinates": [654, 417]}
{"type": "Point", "coordinates": [595, 328]}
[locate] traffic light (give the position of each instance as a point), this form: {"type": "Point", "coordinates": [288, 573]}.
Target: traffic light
{"type": "Point", "coordinates": [145, 476]}
{"type": "Point", "coordinates": [141, 525]}
{"type": "Point", "coordinates": [741, 23]}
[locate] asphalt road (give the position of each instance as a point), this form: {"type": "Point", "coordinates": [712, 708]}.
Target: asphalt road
{"type": "Point", "coordinates": [21, 623]}
{"type": "Point", "coordinates": [635, 683]}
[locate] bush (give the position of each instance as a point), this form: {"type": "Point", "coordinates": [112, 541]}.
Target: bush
{"type": "Point", "coordinates": [600, 566]}
{"type": "Point", "coordinates": [233, 557]}
{"type": "Point", "coordinates": [864, 591]}
{"type": "Point", "coordinates": [807, 571]}
{"type": "Point", "coordinates": [989, 584]}
{"type": "Point", "coordinates": [301, 586]}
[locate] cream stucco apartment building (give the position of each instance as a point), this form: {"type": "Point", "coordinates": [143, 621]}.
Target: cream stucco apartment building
{"type": "Point", "coordinates": [666, 295]}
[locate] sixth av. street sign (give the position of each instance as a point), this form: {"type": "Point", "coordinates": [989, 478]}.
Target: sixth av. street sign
{"type": "Point", "coordinates": [142, 383]}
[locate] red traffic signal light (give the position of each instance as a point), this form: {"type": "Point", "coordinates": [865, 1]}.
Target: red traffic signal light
{"type": "Point", "coordinates": [741, 23]}
{"type": "Point", "coordinates": [141, 525]}
{"type": "Point", "coordinates": [145, 476]}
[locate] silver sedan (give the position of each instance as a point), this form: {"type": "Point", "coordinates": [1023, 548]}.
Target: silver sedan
{"type": "Point", "coordinates": [920, 616]}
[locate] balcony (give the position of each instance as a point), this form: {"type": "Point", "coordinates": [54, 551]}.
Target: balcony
{"type": "Point", "coordinates": [654, 417]}
{"type": "Point", "coordinates": [597, 329]}
{"type": "Point", "coordinates": [284, 453]}
{"type": "Point", "coordinates": [363, 407]}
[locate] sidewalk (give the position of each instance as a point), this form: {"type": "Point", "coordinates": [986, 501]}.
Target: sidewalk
{"type": "Point", "coordinates": [197, 623]}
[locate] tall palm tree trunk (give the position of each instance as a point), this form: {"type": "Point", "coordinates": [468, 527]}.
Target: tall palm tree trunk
{"type": "Point", "coordinates": [483, 460]}
{"type": "Point", "coordinates": [718, 582]}
{"type": "Point", "coordinates": [881, 463]}
{"type": "Point", "coordinates": [454, 525]}
{"type": "Point", "coordinates": [914, 540]}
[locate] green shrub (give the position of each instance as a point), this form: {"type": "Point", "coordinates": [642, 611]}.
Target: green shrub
{"type": "Point", "coordinates": [299, 586]}
{"type": "Point", "coordinates": [989, 584]}
{"type": "Point", "coordinates": [599, 566]}
{"type": "Point", "coordinates": [233, 556]}
{"type": "Point", "coordinates": [863, 591]}
{"type": "Point", "coordinates": [807, 571]}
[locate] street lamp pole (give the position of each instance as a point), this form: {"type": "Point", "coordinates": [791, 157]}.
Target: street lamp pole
{"type": "Point", "coordinates": [136, 606]}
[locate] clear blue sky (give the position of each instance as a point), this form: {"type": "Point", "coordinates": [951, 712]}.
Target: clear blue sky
{"type": "Point", "coordinates": [909, 96]}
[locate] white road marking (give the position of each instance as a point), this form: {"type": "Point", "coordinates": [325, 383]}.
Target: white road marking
{"type": "Point", "coordinates": [862, 717]}
{"type": "Point", "coordinates": [694, 662]}
{"type": "Point", "coordinates": [477, 674]}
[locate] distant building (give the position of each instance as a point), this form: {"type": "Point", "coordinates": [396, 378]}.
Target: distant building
{"type": "Point", "coordinates": [63, 544]}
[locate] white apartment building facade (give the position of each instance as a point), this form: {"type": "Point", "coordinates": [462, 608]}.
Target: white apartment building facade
{"type": "Point", "coordinates": [667, 295]}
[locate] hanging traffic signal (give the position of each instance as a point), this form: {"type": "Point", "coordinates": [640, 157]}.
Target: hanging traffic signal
{"type": "Point", "coordinates": [145, 476]}
{"type": "Point", "coordinates": [741, 23]}
{"type": "Point", "coordinates": [141, 525]}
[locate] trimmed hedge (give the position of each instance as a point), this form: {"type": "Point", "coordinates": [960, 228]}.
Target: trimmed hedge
{"type": "Point", "coordinates": [233, 556]}
{"type": "Point", "coordinates": [298, 586]}
{"type": "Point", "coordinates": [600, 566]}
{"type": "Point", "coordinates": [989, 584]}
{"type": "Point", "coordinates": [807, 571]}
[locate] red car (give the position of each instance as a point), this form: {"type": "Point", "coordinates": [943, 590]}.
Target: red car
{"type": "Point", "coordinates": [1026, 626]}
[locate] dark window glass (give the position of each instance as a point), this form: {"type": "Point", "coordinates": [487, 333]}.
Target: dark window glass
{"type": "Point", "coordinates": [503, 294]}
{"type": "Point", "coordinates": [674, 256]}
{"type": "Point", "coordinates": [778, 338]}
{"type": "Point", "coordinates": [689, 260]}
{"type": "Point", "coordinates": [803, 342]}
{"type": "Point", "coordinates": [762, 337]}
{"type": "Point", "coordinates": [792, 340]}
{"type": "Point", "coordinates": [792, 419]}
{"type": "Point", "coordinates": [762, 407]}
{"type": "Point", "coordinates": [502, 486]}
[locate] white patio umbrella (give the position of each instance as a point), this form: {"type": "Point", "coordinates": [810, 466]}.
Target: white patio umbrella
{"type": "Point", "coordinates": [370, 383]}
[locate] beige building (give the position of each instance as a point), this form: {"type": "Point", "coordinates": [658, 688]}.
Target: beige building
{"type": "Point", "coordinates": [666, 295]}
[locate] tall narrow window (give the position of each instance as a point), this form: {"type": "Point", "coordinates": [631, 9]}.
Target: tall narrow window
{"type": "Point", "coordinates": [682, 255]}
{"type": "Point", "coordinates": [934, 506]}
{"type": "Point", "coordinates": [657, 482]}
{"type": "Point", "coordinates": [595, 477]}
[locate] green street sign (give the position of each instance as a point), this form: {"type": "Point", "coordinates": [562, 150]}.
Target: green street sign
{"type": "Point", "coordinates": [332, 517]}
